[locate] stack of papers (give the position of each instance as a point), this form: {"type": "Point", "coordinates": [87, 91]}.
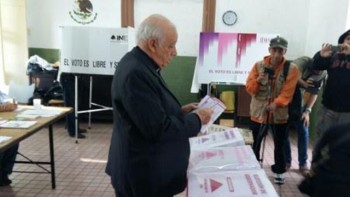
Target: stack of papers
{"type": "Point", "coordinates": [231, 183]}
{"type": "Point", "coordinates": [223, 159]}
{"type": "Point", "coordinates": [229, 137]}
{"type": "Point", "coordinates": [40, 112]}
{"type": "Point", "coordinates": [17, 124]}
{"type": "Point", "coordinates": [4, 138]}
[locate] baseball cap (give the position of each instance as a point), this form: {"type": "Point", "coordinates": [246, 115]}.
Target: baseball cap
{"type": "Point", "coordinates": [279, 42]}
{"type": "Point", "coordinates": [343, 36]}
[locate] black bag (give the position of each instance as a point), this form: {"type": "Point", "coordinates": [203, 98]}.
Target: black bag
{"type": "Point", "coordinates": [306, 186]}
{"type": "Point", "coordinates": [294, 107]}
{"type": "Point", "coordinates": [55, 92]}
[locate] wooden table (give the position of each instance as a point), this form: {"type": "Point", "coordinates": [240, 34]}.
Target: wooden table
{"type": "Point", "coordinates": [20, 134]}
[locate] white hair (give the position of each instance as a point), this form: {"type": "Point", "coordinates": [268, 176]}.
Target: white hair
{"type": "Point", "coordinates": [150, 28]}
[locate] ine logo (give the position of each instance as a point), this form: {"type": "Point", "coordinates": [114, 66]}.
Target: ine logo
{"type": "Point", "coordinates": [119, 38]}
{"type": "Point", "coordinates": [83, 12]}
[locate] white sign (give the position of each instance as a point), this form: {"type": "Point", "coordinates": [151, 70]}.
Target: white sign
{"type": "Point", "coordinates": [94, 50]}
{"type": "Point", "coordinates": [229, 57]}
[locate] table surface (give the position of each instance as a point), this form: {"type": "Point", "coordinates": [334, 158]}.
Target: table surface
{"type": "Point", "coordinates": [18, 134]}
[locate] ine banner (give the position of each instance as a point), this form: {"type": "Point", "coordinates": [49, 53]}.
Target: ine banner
{"type": "Point", "coordinates": [228, 57]}
{"type": "Point", "coordinates": [94, 50]}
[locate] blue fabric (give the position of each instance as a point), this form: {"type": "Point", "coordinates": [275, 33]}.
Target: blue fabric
{"type": "Point", "coordinates": [303, 141]}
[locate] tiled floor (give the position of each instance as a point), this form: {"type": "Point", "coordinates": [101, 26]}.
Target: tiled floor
{"type": "Point", "coordinates": [80, 167]}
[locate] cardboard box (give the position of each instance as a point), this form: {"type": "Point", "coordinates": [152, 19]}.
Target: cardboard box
{"type": "Point", "coordinates": [223, 159]}
{"type": "Point", "coordinates": [229, 137]}
{"type": "Point", "coordinates": [232, 183]}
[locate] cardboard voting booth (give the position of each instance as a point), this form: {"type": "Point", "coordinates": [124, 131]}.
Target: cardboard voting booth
{"type": "Point", "coordinates": [223, 159]}
{"type": "Point", "coordinates": [230, 137]}
{"type": "Point", "coordinates": [232, 183]}
{"type": "Point", "coordinates": [94, 50]}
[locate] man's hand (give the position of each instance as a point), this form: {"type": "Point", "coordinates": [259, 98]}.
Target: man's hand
{"type": "Point", "coordinates": [188, 108]}
{"type": "Point", "coordinates": [326, 50]}
{"type": "Point", "coordinates": [306, 118]}
{"type": "Point", "coordinates": [261, 77]}
{"type": "Point", "coordinates": [6, 107]}
{"type": "Point", "coordinates": [205, 114]}
{"type": "Point", "coordinates": [271, 107]}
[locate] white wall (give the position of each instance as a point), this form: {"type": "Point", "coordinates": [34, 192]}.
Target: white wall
{"type": "Point", "coordinates": [185, 14]}
{"type": "Point", "coordinates": [327, 21]}
{"type": "Point", "coordinates": [45, 17]}
{"type": "Point", "coordinates": [306, 24]}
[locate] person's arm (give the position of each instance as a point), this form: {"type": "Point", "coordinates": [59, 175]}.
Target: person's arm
{"type": "Point", "coordinates": [156, 117]}
{"type": "Point", "coordinates": [254, 79]}
{"type": "Point", "coordinates": [308, 108]}
{"type": "Point", "coordinates": [288, 88]}
{"type": "Point", "coordinates": [322, 59]}
{"type": "Point", "coordinates": [7, 107]}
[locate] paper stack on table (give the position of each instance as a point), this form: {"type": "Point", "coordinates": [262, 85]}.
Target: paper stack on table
{"type": "Point", "coordinates": [4, 138]}
{"type": "Point", "coordinates": [230, 137]}
{"type": "Point", "coordinates": [230, 183]}
{"type": "Point", "coordinates": [19, 124]}
{"type": "Point", "coordinates": [223, 159]}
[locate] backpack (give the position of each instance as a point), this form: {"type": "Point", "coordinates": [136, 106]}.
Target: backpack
{"type": "Point", "coordinates": [294, 107]}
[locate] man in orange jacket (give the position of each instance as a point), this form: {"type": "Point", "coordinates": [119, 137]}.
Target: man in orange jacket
{"type": "Point", "coordinates": [271, 92]}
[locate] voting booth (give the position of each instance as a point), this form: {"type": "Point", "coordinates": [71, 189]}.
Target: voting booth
{"type": "Point", "coordinates": [93, 51]}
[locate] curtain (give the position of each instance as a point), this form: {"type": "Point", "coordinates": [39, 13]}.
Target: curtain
{"type": "Point", "coordinates": [13, 42]}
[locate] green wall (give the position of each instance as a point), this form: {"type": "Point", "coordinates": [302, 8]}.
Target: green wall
{"type": "Point", "coordinates": [178, 76]}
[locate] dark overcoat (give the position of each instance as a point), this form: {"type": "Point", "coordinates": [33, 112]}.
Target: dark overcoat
{"type": "Point", "coordinates": [149, 149]}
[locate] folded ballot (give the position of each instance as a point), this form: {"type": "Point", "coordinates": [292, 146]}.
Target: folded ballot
{"type": "Point", "coordinates": [229, 137]}
{"type": "Point", "coordinates": [230, 183]}
{"type": "Point", "coordinates": [223, 159]}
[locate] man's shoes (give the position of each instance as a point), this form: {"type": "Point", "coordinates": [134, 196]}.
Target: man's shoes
{"type": "Point", "coordinates": [279, 179]}
{"type": "Point", "coordinates": [304, 170]}
{"type": "Point", "coordinates": [80, 136]}
{"type": "Point", "coordinates": [288, 166]}
{"type": "Point", "coordinates": [4, 180]}
{"type": "Point", "coordinates": [82, 130]}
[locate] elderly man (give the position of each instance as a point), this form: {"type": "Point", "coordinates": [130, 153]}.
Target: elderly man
{"type": "Point", "coordinates": [149, 149]}
{"type": "Point", "coordinates": [271, 92]}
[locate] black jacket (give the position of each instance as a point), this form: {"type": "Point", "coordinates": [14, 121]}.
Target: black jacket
{"type": "Point", "coordinates": [336, 95]}
{"type": "Point", "coordinates": [149, 149]}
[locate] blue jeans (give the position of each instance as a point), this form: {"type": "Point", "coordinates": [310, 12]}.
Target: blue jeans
{"type": "Point", "coordinates": [303, 141]}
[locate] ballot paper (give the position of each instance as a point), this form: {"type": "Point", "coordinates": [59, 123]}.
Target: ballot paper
{"type": "Point", "coordinates": [229, 137]}
{"type": "Point", "coordinates": [20, 124]}
{"type": "Point", "coordinates": [223, 159]}
{"type": "Point", "coordinates": [4, 138]}
{"type": "Point", "coordinates": [216, 105]}
{"type": "Point", "coordinates": [40, 112]}
{"type": "Point", "coordinates": [231, 183]}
